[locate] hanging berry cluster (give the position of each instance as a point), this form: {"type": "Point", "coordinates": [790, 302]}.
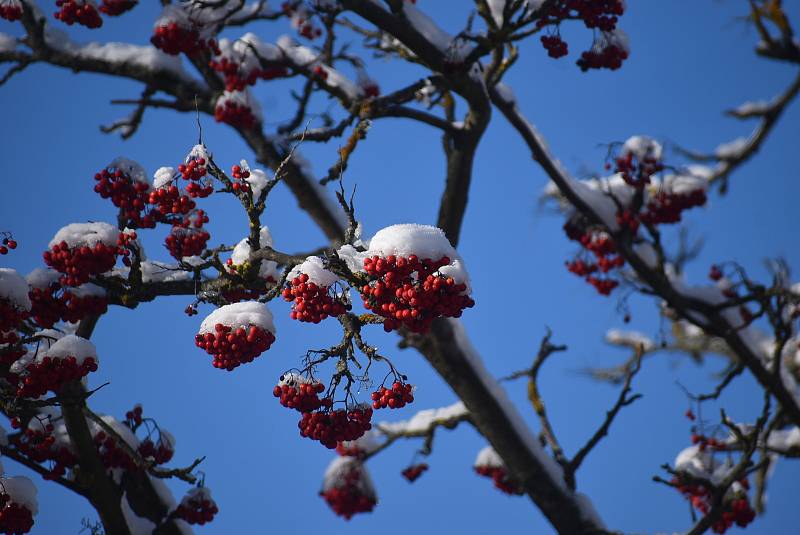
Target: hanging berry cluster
{"type": "Point", "coordinates": [411, 292]}
{"type": "Point", "coordinates": [736, 507]}
{"type": "Point", "coordinates": [347, 488]}
{"type": "Point", "coordinates": [11, 10]}
{"type": "Point", "coordinates": [301, 394]}
{"type": "Point", "coordinates": [188, 238]}
{"type": "Point", "coordinates": [330, 427]}
{"type": "Point", "coordinates": [396, 397]}
{"type": "Point", "coordinates": [50, 302]}
{"type": "Point", "coordinates": [412, 473]}
{"type": "Point", "coordinates": [83, 12]}
{"type": "Point", "coordinates": [236, 109]}
{"type": "Point", "coordinates": [114, 8]}
{"type": "Point", "coordinates": [68, 359]}
{"type": "Point", "coordinates": [14, 517]}
{"type": "Point", "coordinates": [236, 334]}
{"type": "Point", "coordinates": [129, 195]}
{"type": "Point", "coordinates": [489, 464]}
{"type": "Point", "coordinates": [197, 507]}
{"type": "Point", "coordinates": [195, 170]}
{"type": "Point", "coordinates": [240, 67]}
{"type": "Point", "coordinates": [311, 303]}
{"type": "Point", "coordinates": [301, 20]}
{"type": "Point", "coordinates": [38, 444]}
{"type": "Point", "coordinates": [177, 32]}
{"type": "Point", "coordinates": [111, 454]}
{"type": "Point", "coordinates": [81, 250]}
{"type": "Point", "coordinates": [161, 449]}
{"type": "Point", "coordinates": [606, 258]}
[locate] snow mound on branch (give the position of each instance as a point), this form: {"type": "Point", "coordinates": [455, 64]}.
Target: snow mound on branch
{"type": "Point", "coordinates": [118, 427]}
{"type": "Point", "coordinates": [21, 490]}
{"type": "Point", "coordinates": [352, 257]}
{"type": "Point", "coordinates": [488, 457]}
{"type": "Point", "coordinates": [88, 290]}
{"type": "Point", "coordinates": [130, 167]}
{"type": "Point", "coordinates": [7, 43]}
{"type": "Point", "coordinates": [163, 177]}
{"type": "Point", "coordinates": [315, 269]}
{"type": "Point", "coordinates": [136, 524]}
{"type": "Point", "coordinates": [305, 57]}
{"type": "Point", "coordinates": [632, 339]}
{"type": "Point", "coordinates": [642, 147]}
{"type": "Point", "coordinates": [258, 180]}
{"type": "Point", "coordinates": [197, 152]}
{"type": "Point", "coordinates": [241, 254]}
{"type": "Point", "coordinates": [89, 234]}
{"type": "Point", "coordinates": [155, 271]}
{"type": "Point", "coordinates": [731, 149]}
{"type": "Point", "coordinates": [239, 315]}
{"type": "Point", "coordinates": [336, 476]}
{"type": "Point", "coordinates": [423, 420]}
{"type": "Point", "coordinates": [14, 289]}
{"type": "Point", "coordinates": [41, 278]}
{"type": "Point", "coordinates": [424, 241]}
{"type": "Point", "coordinates": [366, 443]}
{"type": "Point", "coordinates": [702, 464]}
{"type": "Point", "coordinates": [784, 439]}
{"type": "Point", "coordinates": [71, 346]}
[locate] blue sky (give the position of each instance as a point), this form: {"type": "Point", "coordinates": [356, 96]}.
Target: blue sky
{"type": "Point", "coordinates": [690, 61]}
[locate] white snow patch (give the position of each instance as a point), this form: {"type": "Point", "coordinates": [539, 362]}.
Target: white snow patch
{"type": "Point", "coordinates": [632, 339]}
{"type": "Point", "coordinates": [21, 490]}
{"type": "Point", "coordinates": [241, 254]}
{"type": "Point", "coordinates": [71, 346]}
{"type": "Point", "coordinates": [89, 234]}
{"type": "Point", "coordinates": [731, 149]}
{"type": "Point", "coordinates": [14, 289]}
{"type": "Point", "coordinates": [238, 315]}
{"type": "Point", "coordinates": [315, 269]}
{"type": "Point", "coordinates": [163, 177]}
{"type": "Point", "coordinates": [338, 470]}
{"type": "Point", "coordinates": [423, 420]}
{"type": "Point", "coordinates": [42, 278]}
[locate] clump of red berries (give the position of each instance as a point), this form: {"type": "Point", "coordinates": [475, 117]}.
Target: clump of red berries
{"type": "Point", "coordinates": [10, 10]}
{"type": "Point", "coordinates": [232, 347]}
{"type": "Point", "coordinates": [14, 517]}
{"type": "Point", "coordinates": [737, 509]}
{"type": "Point", "coordinates": [170, 201]}
{"type": "Point", "coordinates": [411, 292]}
{"type": "Point", "coordinates": [111, 454]}
{"type": "Point", "coordinates": [500, 478]}
{"type": "Point", "coordinates": [197, 507]}
{"type": "Point", "coordinates": [113, 8]}
{"type": "Point", "coordinates": [7, 244]}
{"type": "Point", "coordinates": [238, 76]}
{"type": "Point", "coordinates": [11, 317]}
{"type": "Point", "coordinates": [234, 113]}
{"type": "Point", "coordinates": [302, 395]}
{"type": "Point", "coordinates": [129, 195]}
{"type": "Point", "coordinates": [174, 38]}
{"type": "Point", "coordinates": [330, 427]}
{"type": "Point", "coordinates": [51, 373]}
{"type": "Point", "coordinates": [188, 238]}
{"type": "Point", "coordinates": [40, 446]}
{"type": "Point", "coordinates": [351, 492]}
{"type": "Point", "coordinates": [413, 472]}
{"type": "Point", "coordinates": [600, 14]}
{"type": "Point", "coordinates": [715, 273]}
{"type": "Point", "coordinates": [666, 207]}
{"type": "Point", "coordinates": [395, 398]}
{"type": "Point", "coordinates": [79, 262]}
{"type": "Point", "coordinates": [637, 167]}
{"type": "Point", "coordinates": [606, 56]}
{"type": "Point", "coordinates": [80, 11]}
{"type": "Point", "coordinates": [555, 46]}
{"type": "Point", "coordinates": [311, 303]}
{"type": "Point", "coordinates": [606, 258]}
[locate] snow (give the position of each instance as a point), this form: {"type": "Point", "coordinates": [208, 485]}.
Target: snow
{"type": "Point", "coordinates": [250, 41]}
{"type": "Point", "coordinates": [315, 269]}
{"type": "Point", "coordinates": [685, 183]}
{"type": "Point", "coordinates": [14, 289]}
{"type": "Point", "coordinates": [21, 490]}
{"type": "Point", "coordinates": [406, 239]}
{"type": "Point", "coordinates": [340, 467]}
{"type": "Point", "coordinates": [42, 278]}
{"type": "Point", "coordinates": [505, 93]}
{"type": "Point", "coordinates": [702, 464]}
{"type": "Point", "coordinates": [731, 149]}
{"type": "Point", "coordinates": [163, 492]}
{"type": "Point", "coordinates": [136, 524]}
{"type": "Point", "coordinates": [642, 147]}
{"type": "Point", "coordinates": [131, 168]}
{"type": "Point", "coordinates": [785, 439]}
{"type": "Point", "coordinates": [119, 428]}
{"type": "Point", "coordinates": [366, 443]}
{"type": "Point", "coordinates": [237, 315]}
{"type": "Point", "coordinates": [422, 421]}
{"type": "Point", "coordinates": [88, 290]}
{"type": "Point", "coordinates": [89, 234]}
{"type": "Point", "coordinates": [258, 180]}
{"type": "Point", "coordinates": [71, 346]}
{"type": "Point", "coordinates": [489, 458]}
{"type": "Point", "coordinates": [241, 254]}
{"type": "Point", "coordinates": [163, 176]}
{"type": "Point", "coordinates": [197, 152]}
{"type": "Point", "coordinates": [455, 49]}
{"type": "Point", "coordinates": [197, 494]}
{"type": "Point", "coordinates": [759, 107]}
{"type": "Point", "coordinates": [352, 257]}
{"type": "Point", "coordinates": [304, 57]}
{"type": "Point", "coordinates": [647, 254]}
{"type": "Point", "coordinates": [7, 43]}
{"type": "Point", "coordinates": [155, 271]}
{"type": "Point", "coordinates": [632, 339]}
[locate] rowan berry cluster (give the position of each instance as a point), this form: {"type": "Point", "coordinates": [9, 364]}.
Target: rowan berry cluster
{"type": "Point", "coordinates": [197, 507]}
{"type": "Point", "coordinates": [311, 303]}
{"type": "Point", "coordinates": [111, 454]}
{"type": "Point", "coordinates": [555, 46]}
{"type": "Point", "coordinates": [161, 451]}
{"type": "Point", "coordinates": [50, 374]}
{"type": "Point", "coordinates": [240, 176]}
{"type": "Point", "coordinates": [79, 262]}
{"type": "Point", "coordinates": [595, 14]}
{"type": "Point", "coordinates": [174, 38]}
{"type": "Point", "coordinates": [170, 201]}
{"type": "Point", "coordinates": [237, 76]}
{"type": "Point", "coordinates": [348, 498]}
{"type": "Point", "coordinates": [8, 242]}
{"type": "Point", "coordinates": [737, 509]}
{"type": "Point", "coordinates": [606, 258]}
{"type": "Point", "coordinates": [11, 317]}
{"type": "Point", "coordinates": [235, 114]}
{"type": "Point", "coordinates": [330, 427]}
{"type": "Point", "coordinates": [10, 10]}
{"type": "Point", "coordinates": [500, 477]}
{"type": "Point", "coordinates": [704, 442]}
{"type": "Point", "coordinates": [413, 472]}
{"type": "Point", "coordinates": [301, 20]}
{"type": "Point", "coordinates": [638, 167]}
{"type": "Point", "coordinates": [666, 207]}
{"type": "Point", "coordinates": [15, 518]}
{"type": "Point", "coordinates": [233, 347]}
{"type": "Point", "coordinates": [395, 398]}
{"type": "Point", "coordinates": [40, 446]}
{"type": "Point", "coordinates": [81, 11]}
{"type": "Point", "coordinates": [50, 304]}
{"type": "Point", "coordinates": [607, 55]}
{"type": "Point", "coordinates": [302, 395]}
{"type": "Point", "coordinates": [129, 195]}
{"type": "Point", "coordinates": [188, 238]}
{"type": "Point", "coordinates": [114, 8]}
{"type": "Point", "coordinates": [411, 292]}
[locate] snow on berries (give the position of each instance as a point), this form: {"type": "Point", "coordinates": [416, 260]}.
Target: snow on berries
{"type": "Point", "coordinates": [69, 359]}
{"type": "Point", "coordinates": [395, 397]}
{"type": "Point", "coordinates": [300, 19]}
{"type": "Point", "coordinates": [18, 504]}
{"type": "Point", "coordinates": [176, 31]}
{"type": "Point", "coordinates": [412, 473]}
{"type": "Point", "coordinates": [84, 12]}
{"type": "Point", "coordinates": [125, 183]}
{"type": "Point", "coordinates": [237, 108]}
{"type": "Point", "coordinates": [81, 250]}
{"type": "Point", "coordinates": [43, 443]}
{"type": "Point", "coordinates": [608, 51]}
{"type": "Point", "coordinates": [310, 290]}
{"type": "Point", "coordinates": [330, 427]}
{"type": "Point", "coordinates": [195, 170]}
{"type": "Point", "coordinates": [239, 62]}
{"type": "Point", "coordinates": [197, 506]}
{"type": "Point", "coordinates": [489, 464]}
{"type": "Point", "coordinates": [15, 304]}
{"type": "Point", "coordinates": [188, 238]}
{"type": "Point", "coordinates": [300, 393]}
{"type": "Point", "coordinates": [347, 487]}
{"type": "Point", "coordinates": [698, 473]}
{"type": "Point", "coordinates": [11, 10]}
{"type": "Point", "coordinates": [415, 276]}
{"type": "Point", "coordinates": [236, 334]}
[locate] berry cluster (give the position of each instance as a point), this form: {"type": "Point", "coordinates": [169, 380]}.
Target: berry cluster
{"type": "Point", "coordinates": [51, 373]}
{"type": "Point", "coordinates": [500, 478]}
{"type": "Point", "coordinates": [410, 292]}
{"type": "Point", "coordinates": [595, 14]}
{"type": "Point", "coordinates": [237, 76]}
{"type": "Point", "coordinates": [188, 238]}
{"type": "Point", "coordinates": [333, 426]}
{"type": "Point", "coordinates": [114, 8]}
{"type": "Point", "coordinates": [348, 498]}
{"type": "Point", "coordinates": [300, 395]}
{"type": "Point", "coordinates": [703, 442]}
{"type": "Point", "coordinates": [737, 510]}
{"type": "Point", "coordinates": [602, 246]}
{"type": "Point", "coordinates": [111, 455]}
{"type": "Point", "coordinates": [15, 518]}
{"type": "Point", "coordinates": [81, 11]}
{"type": "Point", "coordinates": [8, 242]}
{"type": "Point", "coordinates": [197, 507]}
{"type": "Point", "coordinates": [50, 304]}
{"type": "Point", "coordinates": [234, 113]}
{"type": "Point", "coordinates": [172, 38]}
{"type": "Point", "coordinates": [40, 446]}
{"type": "Point", "coordinates": [194, 170]}
{"type": "Point", "coordinates": [11, 316]}
{"type": "Point", "coordinates": [413, 472]}
{"type": "Point", "coordinates": [637, 167]}
{"type": "Point", "coordinates": [395, 398]}
{"type": "Point", "coordinates": [170, 201]}
{"type": "Point", "coordinates": [555, 46]}
{"type": "Point", "coordinates": [230, 347]}
{"type": "Point", "coordinates": [161, 452]}
{"type": "Point", "coordinates": [81, 262]}
{"type": "Point", "coordinates": [320, 72]}
{"type": "Point", "coordinates": [46, 307]}
{"type": "Point", "coordinates": [310, 302]}
{"type": "Point", "coordinates": [666, 207]}
{"type": "Point", "coordinates": [133, 418]}
{"type": "Point", "coordinates": [606, 55]}
{"type": "Point", "coordinates": [10, 10]}
{"type": "Point", "coordinates": [301, 21]}
{"type": "Point", "coordinates": [129, 195]}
